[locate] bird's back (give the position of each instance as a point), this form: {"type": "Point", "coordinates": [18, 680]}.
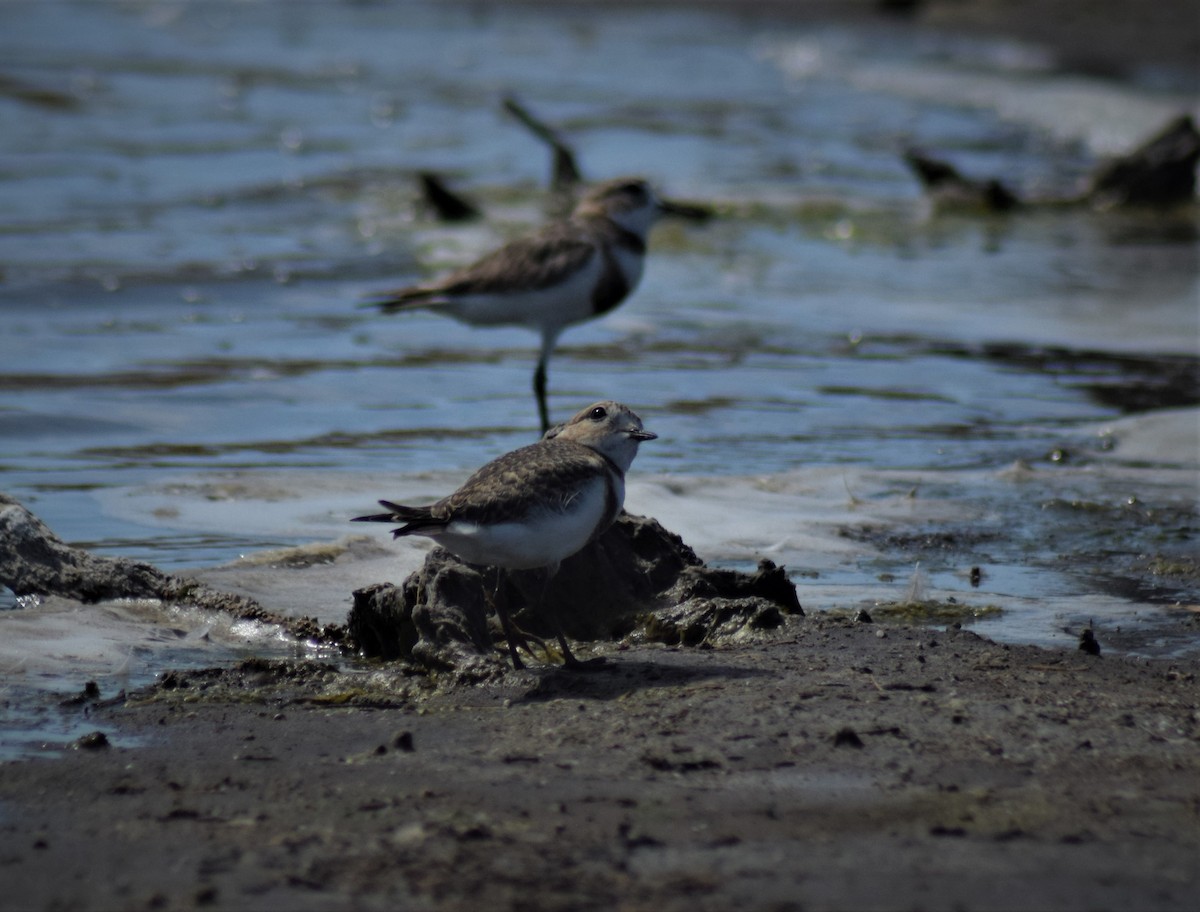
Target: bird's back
{"type": "Point", "coordinates": [524, 266]}
{"type": "Point", "coordinates": [541, 477]}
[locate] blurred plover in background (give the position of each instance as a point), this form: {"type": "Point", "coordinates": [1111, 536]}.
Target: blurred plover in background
{"type": "Point", "coordinates": [568, 272]}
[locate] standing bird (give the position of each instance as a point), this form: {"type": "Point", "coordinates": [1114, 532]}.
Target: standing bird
{"type": "Point", "coordinates": [535, 506]}
{"type": "Point", "coordinates": [568, 272]}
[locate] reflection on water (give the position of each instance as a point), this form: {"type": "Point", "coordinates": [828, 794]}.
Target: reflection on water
{"type": "Point", "coordinates": [195, 197]}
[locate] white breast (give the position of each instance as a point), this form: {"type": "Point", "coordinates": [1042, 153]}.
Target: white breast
{"type": "Point", "coordinates": [561, 304]}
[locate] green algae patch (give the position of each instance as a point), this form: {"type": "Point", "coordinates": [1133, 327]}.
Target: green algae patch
{"type": "Point", "coordinates": [1179, 569]}
{"type": "Point", "coordinates": [273, 682]}
{"type": "Point", "coordinates": [932, 611]}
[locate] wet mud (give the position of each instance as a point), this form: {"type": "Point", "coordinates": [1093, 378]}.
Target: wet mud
{"type": "Point", "coordinates": [764, 772]}
{"type": "Point", "coordinates": [638, 579]}
{"type": "Point", "coordinates": [1130, 383]}
{"type": "Point", "coordinates": [35, 561]}
{"type": "Point", "coordinates": [730, 751]}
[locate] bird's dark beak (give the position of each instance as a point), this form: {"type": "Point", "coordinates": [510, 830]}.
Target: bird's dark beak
{"type": "Point", "coordinates": [639, 434]}
{"type": "Point", "coordinates": [695, 212]}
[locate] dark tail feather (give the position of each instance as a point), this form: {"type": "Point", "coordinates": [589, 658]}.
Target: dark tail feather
{"type": "Point", "coordinates": [396, 513]}
{"type": "Point", "coordinates": [390, 302]}
{"type": "Point", "coordinates": [414, 518]}
{"type": "Point", "coordinates": [376, 517]}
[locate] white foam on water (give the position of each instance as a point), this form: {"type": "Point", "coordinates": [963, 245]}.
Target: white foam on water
{"type": "Point", "coordinates": [1016, 81]}
{"type": "Point", "coordinates": [255, 414]}
{"type": "Point", "coordinates": [804, 519]}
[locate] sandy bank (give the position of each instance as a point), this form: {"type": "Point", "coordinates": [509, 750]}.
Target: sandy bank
{"type": "Point", "coordinates": [832, 764]}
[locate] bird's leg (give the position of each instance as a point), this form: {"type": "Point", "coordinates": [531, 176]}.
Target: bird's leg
{"type": "Point", "coordinates": [506, 622]}
{"type": "Point", "coordinates": [569, 660]}
{"type": "Point", "coordinates": [549, 337]}
{"type": "Point", "coordinates": [539, 392]}
{"type": "Point", "coordinates": [512, 633]}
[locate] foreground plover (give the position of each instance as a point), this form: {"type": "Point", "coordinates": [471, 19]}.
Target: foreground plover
{"type": "Point", "coordinates": [568, 272]}
{"type": "Point", "coordinates": [535, 506]}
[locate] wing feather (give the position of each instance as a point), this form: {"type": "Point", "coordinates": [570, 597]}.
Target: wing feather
{"type": "Point", "coordinates": [530, 263]}
{"type": "Point", "coordinates": [523, 482]}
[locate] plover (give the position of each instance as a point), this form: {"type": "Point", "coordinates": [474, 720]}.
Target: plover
{"type": "Point", "coordinates": [535, 506]}
{"type": "Point", "coordinates": [568, 272]}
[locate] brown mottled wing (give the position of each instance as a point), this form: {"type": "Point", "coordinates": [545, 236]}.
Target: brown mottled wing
{"type": "Point", "coordinates": [526, 264]}
{"type": "Point", "coordinates": [522, 482]}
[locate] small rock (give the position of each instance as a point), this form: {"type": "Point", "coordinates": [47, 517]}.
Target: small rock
{"type": "Point", "coordinates": [449, 206]}
{"type": "Point", "coordinates": [847, 737]}
{"type": "Point", "coordinates": [940, 830]}
{"type": "Point", "coordinates": [172, 680]}
{"type": "Point", "coordinates": [1088, 642]}
{"type": "Point", "coordinates": [636, 574]}
{"type": "Point", "coordinates": [1160, 172]}
{"type": "Point", "coordinates": [90, 693]}
{"type": "Point", "coordinates": [92, 741]}
{"type": "Point", "coordinates": [403, 741]}
{"type": "Point", "coordinates": [633, 838]}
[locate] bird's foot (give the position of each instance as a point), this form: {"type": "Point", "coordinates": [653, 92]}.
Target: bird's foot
{"type": "Point", "coordinates": [599, 663]}
{"type": "Point", "coordinates": [524, 638]}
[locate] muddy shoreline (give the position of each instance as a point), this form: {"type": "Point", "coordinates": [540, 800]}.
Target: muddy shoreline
{"type": "Point", "coordinates": [1097, 38]}
{"type": "Point", "coordinates": [829, 764]}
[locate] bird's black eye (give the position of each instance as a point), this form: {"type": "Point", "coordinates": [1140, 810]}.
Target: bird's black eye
{"type": "Point", "coordinates": [634, 189]}
{"type": "Point", "coordinates": [599, 413]}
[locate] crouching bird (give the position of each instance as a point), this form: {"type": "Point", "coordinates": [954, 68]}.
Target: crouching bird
{"type": "Point", "coordinates": [536, 506]}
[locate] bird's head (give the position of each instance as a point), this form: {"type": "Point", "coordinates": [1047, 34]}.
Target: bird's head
{"type": "Point", "coordinates": [607, 427]}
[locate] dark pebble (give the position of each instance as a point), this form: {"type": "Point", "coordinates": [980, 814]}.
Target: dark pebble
{"type": "Point", "coordinates": [403, 741]}
{"type": "Point", "coordinates": [847, 737]}
{"type": "Point", "coordinates": [92, 741]}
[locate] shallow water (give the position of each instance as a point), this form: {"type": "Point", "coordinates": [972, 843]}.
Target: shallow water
{"type": "Point", "coordinates": [192, 209]}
